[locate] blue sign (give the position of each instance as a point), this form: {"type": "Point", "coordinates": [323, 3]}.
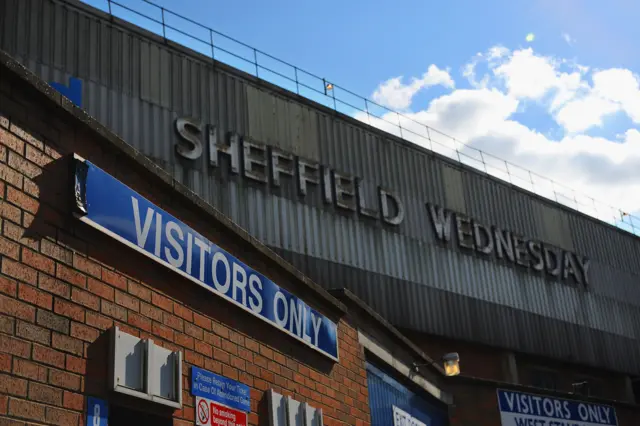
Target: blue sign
{"type": "Point", "coordinates": [220, 389]}
{"type": "Point", "coordinates": [97, 412]}
{"type": "Point", "coordinates": [73, 91]}
{"type": "Point", "coordinates": [113, 208]}
{"type": "Point", "coordinates": [523, 409]}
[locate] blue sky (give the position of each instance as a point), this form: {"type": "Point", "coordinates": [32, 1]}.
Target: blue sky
{"type": "Point", "coordinates": [566, 104]}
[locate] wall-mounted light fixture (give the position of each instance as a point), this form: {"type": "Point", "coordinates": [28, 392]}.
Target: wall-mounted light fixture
{"type": "Point", "coordinates": [451, 364]}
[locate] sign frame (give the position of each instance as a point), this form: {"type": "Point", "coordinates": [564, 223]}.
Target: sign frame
{"type": "Point", "coordinates": [295, 314]}
{"type": "Point", "coordinates": [523, 402]}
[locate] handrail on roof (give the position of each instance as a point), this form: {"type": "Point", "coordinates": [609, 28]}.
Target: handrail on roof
{"type": "Point", "coordinates": [328, 93]}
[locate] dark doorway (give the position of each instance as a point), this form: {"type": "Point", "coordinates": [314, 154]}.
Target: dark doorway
{"type": "Point", "coordinates": [121, 416]}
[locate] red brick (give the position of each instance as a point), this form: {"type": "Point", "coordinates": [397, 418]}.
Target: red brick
{"type": "Point", "coordinates": [31, 189]}
{"type": "Point", "coordinates": [173, 321]}
{"type": "Point", "coordinates": [13, 385]}
{"type": "Point", "coordinates": [101, 289]}
{"type": "Point", "coordinates": [71, 276]}
{"type": "Point", "coordinates": [43, 393]}
{"type": "Point", "coordinates": [4, 121]}
{"type": "Point", "coordinates": [194, 331]}
{"type": "Point", "coordinates": [73, 401]}
{"type": "Point", "coordinates": [16, 233]}
{"type": "Point", "coordinates": [212, 339]}
{"type": "Point", "coordinates": [37, 157]}
{"type": "Point", "coordinates": [6, 324]}
{"type": "Point", "coordinates": [8, 286]}
{"type": "Point", "coordinates": [202, 321]}
{"type": "Point", "coordinates": [162, 302]}
{"type": "Point", "coordinates": [220, 330]}
{"type": "Point", "coordinates": [11, 141]}
{"type": "Point", "coordinates": [230, 372]}
{"type": "Point", "coordinates": [19, 271]}
{"type": "Point", "coordinates": [151, 312]}
{"type": "Point", "coordinates": [139, 321]}
{"type": "Point", "coordinates": [26, 409]}
{"type": "Point", "coordinates": [27, 168]}
{"type": "Point", "coordinates": [64, 380]}
{"type": "Point", "coordinates": [184, 340]}
{"type": "Point", "coordinates": [83, 332]}
{"type": "Point", "coordinates": [61, 417]}
{"type": "Point", "coordinates": [114, 279]}
{"type": "Point", "coordinates": [26, 136]}
{"type": "Point", "coordinates": [15, 308]}
{"type": "Point", "coordinates": [4, 405]}
{"type": "Point", "coordinates": [162, 331]}
{"type": "Point", "coordinates": [10, 212]}
{"type": "Point", "coordinates": [53, 285]}
{"type": "Point", "coordinates": [38, 261]}
{"type": "Point", "coordinates": [56, 251]}
{"type": "Point", "coordinates": [52, 321]}
{"type": "Point", "coordinates": [5, 363]}
{"type": "Point", "coordinates": [139, 291]}
{"type": "Point", "coordinates": [9, 248]}
{"type": "Point", "coordinates": [86, 299]}
{"type": "Point", "coordinates": [85, 265]}
{"type": "Point", "coordinates": [113, 310]}
{"type": "Point", "coordinates": [34, 296]}
{"type": "Point", "coordinates": [76, 365]}
{"type": "Point", "coordinates": [194, 358]}
{"type": "Point", "coordinates": [98, 321]}
{"type": "Point", "coordinates": [33, 332]}
{"type": "Point", "coordinates": [10, 176]}
{"type": "Point", "coordinates": [69, 310]}
{"type": "Point", "coordinates": [29, 370]}
{"type": "Point", "coordinates": [22, 200]}
{"type": "Point", "coordinates": [127, 301]}
{"type": "Point", "coordinates": [67, 344]}
{"type": "Point", "coordinates": [183, 312]}
{"type": "Point", "coordinates": [203, 348]}
{"type": "Point", "coordinates": [48, 356]}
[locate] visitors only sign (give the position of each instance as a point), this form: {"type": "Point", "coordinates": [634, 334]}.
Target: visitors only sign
{"type": "Point", "coordinates": [111, 207]}
{"type": "Point", "coordinates": [524, 409]}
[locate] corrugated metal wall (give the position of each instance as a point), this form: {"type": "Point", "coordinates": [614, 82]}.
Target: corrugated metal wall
{"type": "Point", "coordinates": [138, 86]}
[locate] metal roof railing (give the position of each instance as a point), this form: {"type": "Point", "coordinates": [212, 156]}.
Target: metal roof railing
{"type": "Point", "coordinates": [220, 47]}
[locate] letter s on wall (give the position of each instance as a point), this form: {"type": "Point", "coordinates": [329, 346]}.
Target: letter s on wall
{"type": "Point", "coordinates": [189, 130]}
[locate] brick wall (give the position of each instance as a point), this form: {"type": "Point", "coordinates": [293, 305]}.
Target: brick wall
{"type": "Point", "coordinates": [63, 284]}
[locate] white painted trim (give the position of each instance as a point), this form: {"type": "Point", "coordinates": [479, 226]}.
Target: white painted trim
{"type": "Point", "coordinates": [406, 371]}
{"type": "Point", "coordinates": [129, 244]}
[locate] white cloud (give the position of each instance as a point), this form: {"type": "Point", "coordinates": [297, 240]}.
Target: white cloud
{"type": "Point", "coordinates": [567, 38]}
{"type": "Point", "coordinates": [483, 117]}
{"type": "Point", "coordinates": [396, 95]}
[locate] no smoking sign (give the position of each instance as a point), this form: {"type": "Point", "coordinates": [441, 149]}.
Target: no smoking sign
{"type": "Point", "coordinates": [209, 413]}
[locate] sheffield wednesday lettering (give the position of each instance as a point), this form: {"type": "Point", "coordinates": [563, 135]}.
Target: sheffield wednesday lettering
{"type": "Point", "coordinates": [268, 165]}
{"type": "Point", "coordinates": [113, 208]}
{"type": "Point", "coordinates": [507, 245]}
{"type": "Point", "coordinates": [522, 409]}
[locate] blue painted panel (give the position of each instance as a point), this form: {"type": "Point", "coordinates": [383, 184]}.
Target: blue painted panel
{"type": "Point", "coordinates": [73, 91]}
{"type": "Point", "coordinates": [97, 412]}
{"type": "Point", "coordinates": [385, 392]}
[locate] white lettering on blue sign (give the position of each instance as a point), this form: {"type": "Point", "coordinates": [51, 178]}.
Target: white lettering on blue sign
{"type": "Point", "coordinates": [220, 389]}
{"type": "Point", "coordinates": [402, 418]}
{"type": "Point", "coordinates": [115, 209]}
{"type": "Point", "coordinates": [523, 409]}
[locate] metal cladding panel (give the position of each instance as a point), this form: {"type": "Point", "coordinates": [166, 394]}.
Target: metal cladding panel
{"type": "Point", "coordinates": [138, 87]}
